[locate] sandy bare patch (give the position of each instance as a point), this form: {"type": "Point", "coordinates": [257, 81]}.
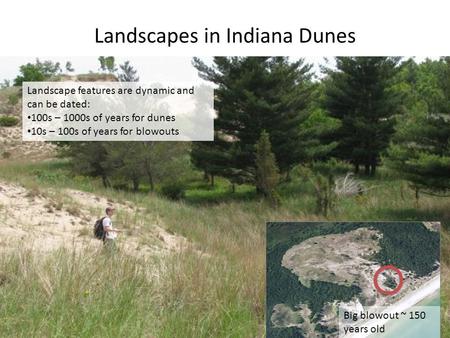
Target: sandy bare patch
{"type": "Point", "coordinates": [344, 259]}
{"type": "Point", "coordinates": [433, 226]}
{"type": "Point", "coordinates": [126, 210]}
{"type": "Point", "coordinates": [284, 316]}
{"type": "Point", "coordinates": [13, 148]}
{"type": "Point", "coordinates": [333, 258]}
{"type": "Point", "coordinates": [46, 220]}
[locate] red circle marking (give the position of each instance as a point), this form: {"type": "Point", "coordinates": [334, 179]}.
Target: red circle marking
{"type": "Point", "coordinates": [388, 292]}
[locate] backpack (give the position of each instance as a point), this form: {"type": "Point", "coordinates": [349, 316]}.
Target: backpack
{"type": "Point", "coordinates": [99, 233]}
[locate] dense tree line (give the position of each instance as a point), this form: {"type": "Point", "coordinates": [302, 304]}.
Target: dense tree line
{"type": "Point", "coordinates": [365, 111]}
{"type": "Point", "coordinates": [409, 246]}
{"type": "Point", "coordinates": [420, 149]}
{"type": "Point", "coordinates": [125, 164]}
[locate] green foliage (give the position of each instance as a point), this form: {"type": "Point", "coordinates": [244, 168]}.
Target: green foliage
{"type": "Point", "coordinates": [409, 246]}
{"type": "Point", "coordinates": [210, 157]}
{"type": "Point", "coordinates": [129, 162]}
{"type": "Point", "coordinates": [199, 192]}
{"type": "Point", "coordinates": [69, 68]}
{"type": "Point", "coordinates": [56, 176]}
{"type": "Point", "coordinates": [38, 71]}
{"type": "Point", "coordinates": [120, 164]}
{"type": "Point", "coordinates": [325, 197]}
{"type": "Point", "coordinates": [173, 190]}
{"type": "Point", "coordinates": [13, 99]}
{"type": "Point", "coordinates": [128, 73]}
{"type": "Point", "coordinates": [358, 94]}
{"type": "Point", "coordinates": [332, 166]}
{"type": "Point", "coordinates": [255, 94]}
{"type": "Point", "coordinates": [8, 121]}
{"type": "Point", "coordinates": [63, 294]}
{"type": "Point", "coordinates": [29, 72]}
{"type": "Point", "coordinates": [88, 158]}
{"type": "Point", "coordinates": [107, 64]}
{"type": "Point", "coordinates": [321, 175]}
{"type": "Point", "coordinates": [9, 99]}
{"type": "Point", "coordinates": [420, 149]}
{"type": "Point", "coordinates": [267, 173]}
{"type": "Point", "coordinates": [390, 282]}
{"type": "Point", "coordinates": [314, 130]}
{"type": "Point", "coordinates": [124, 161]}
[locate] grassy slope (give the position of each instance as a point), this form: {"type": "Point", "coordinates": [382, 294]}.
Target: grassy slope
{"type": "Point", "coordinates": [220, 295]}
{"type": "Point", "coordinates": [6, 92]}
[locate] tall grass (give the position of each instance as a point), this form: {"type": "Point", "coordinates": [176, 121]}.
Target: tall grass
{"type": "Point", "coordinates": [95, 294]}
{"type": "Point", "coordinates": [69, 294]}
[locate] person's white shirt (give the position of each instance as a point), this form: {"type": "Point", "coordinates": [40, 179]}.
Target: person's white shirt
{"type": "Point", "coordinates": [107, 225]}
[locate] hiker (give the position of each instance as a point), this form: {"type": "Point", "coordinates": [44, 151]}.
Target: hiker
{"type": "Point", "coordinates": [110, 233]}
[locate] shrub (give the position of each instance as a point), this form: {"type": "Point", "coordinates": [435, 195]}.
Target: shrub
{"type": "Point", "coordinates": [74, 210]}
{"type": "Point", "coordinates": [8, 121]}
{"type": "Point", "coordinates": [38, 71]}
{"type": "Point", "coordinates": [47, 176]}
{"type": "Point", "coordinates": [324, 187]}
{"type": "Point", "coordinates": [13, 99]}
{"type": "Point", "coordinates": [324, 192]}
{"type": "Point", "coordinates": [267, 172]}
{"type": "Point", "coordinates": [174, 190]}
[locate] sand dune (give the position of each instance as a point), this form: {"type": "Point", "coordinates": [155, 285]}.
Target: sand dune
{"type": "Point", "coordinates": [45, 220]}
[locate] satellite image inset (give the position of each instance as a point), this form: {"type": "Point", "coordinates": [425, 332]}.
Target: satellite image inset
{"type": "Point", "coordinates": [314, 269]}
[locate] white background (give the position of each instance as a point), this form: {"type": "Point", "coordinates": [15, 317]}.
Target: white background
{"type": "Point", "coordinates": [394, 27]}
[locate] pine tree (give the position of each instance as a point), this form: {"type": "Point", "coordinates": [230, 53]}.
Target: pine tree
{"type": "Point", "coordinates": [315, 131]}
{"type": "Point", "coordinates": [210, 157]}
{"type": "Point", "coordinates": [420, 150]}
{"type": "Point", "coordinates": [128, 73]}
{"type": "Point", "coordinates": [358, 94]}
{"type": "Point", "coordinates": [255, 94]}
{"type": "Point", "coordinates": [107, 64]}
{"type": "Point", "coordinates": [69, 68]}
{"type": "Point", "coordinates": [267, 173]}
